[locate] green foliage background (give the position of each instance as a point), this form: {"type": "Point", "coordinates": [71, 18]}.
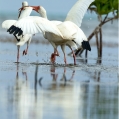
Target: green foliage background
{"type": "Point", "coordinates": [102, 7]}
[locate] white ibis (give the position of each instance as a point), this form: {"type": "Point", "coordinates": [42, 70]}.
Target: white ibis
{"type": "Point", "coordinates": [21, 39]}
{"type": "Point", "coordinates": [80, 39]}
{"type": "Point", "coordinates": [65, 33]}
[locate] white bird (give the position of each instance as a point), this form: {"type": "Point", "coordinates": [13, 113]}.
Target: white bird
{"type": "Point", "coordinates": [21, 39]}
{"type": "Point", "coordinates": [65, 33]}
{"type": "Point", "coordinates": [81, 36]}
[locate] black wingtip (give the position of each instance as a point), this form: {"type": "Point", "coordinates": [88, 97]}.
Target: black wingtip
{"type": "Point", "coordinates": [16, 38]}
{"type": "Point", "coordinates": [86, 45]}
{"type": "Point", "coordinates": [10, 28]}
{"type": "Point", "coordinates": [20, 32]}
{"type": "Point", "coordinates": [15, 30]}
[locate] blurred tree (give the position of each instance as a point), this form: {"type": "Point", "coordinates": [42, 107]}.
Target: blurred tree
{"type": "Point", "coordinates": [102, 8]}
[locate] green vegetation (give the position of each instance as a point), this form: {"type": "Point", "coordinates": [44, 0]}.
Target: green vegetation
{"type": "Point", "coordinates": [102, 8]}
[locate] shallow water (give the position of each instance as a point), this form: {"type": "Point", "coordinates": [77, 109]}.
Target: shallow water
{"type": "Point", "coordinates": [36, 89]}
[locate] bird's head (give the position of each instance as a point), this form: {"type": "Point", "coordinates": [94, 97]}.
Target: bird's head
{"type": "Point", "coordinates": [24, 3]}
{"type": "Point", "coordinates": [36, 8]}
{"type": "Point", "coordinates": [40, 10]}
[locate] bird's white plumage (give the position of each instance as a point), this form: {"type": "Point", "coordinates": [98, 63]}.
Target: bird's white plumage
{"type": "Point", "coordinates": [80, 37]}
{"type": "Point", "coordinates": [8, 23]}
{"type": "Point", "coordinates": [27, 37]}
{"type": "Point", "coordinates": [24, 3]}
{"type": "Point", "coordinates": [24, 39]}
{"type": "Point", "coordinates": [56, 22]}
{"type": "Point", "coordinates": [35, 24]}
{"type": "Point", "coordinates": [77, 12]}
{"type": "Point", "coordinates": [58, 33]}
{"type": "Point", "coordinates": [68, 30]}
{"type": "Point", "coordinates": [72, 44]}
{"type": "Point", "coordinates": [25, 12]}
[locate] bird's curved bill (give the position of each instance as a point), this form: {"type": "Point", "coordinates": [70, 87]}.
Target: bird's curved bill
{"type": "Point", "coordinates": [36, 8]}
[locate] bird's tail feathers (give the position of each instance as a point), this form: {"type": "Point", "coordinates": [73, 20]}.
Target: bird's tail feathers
{"type": "Point", "coordinates": [72, 44]}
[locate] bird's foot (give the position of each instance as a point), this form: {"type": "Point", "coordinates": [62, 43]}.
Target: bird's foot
{"type": "Point", "coordinates": [53, 57]}
{"type": "Point", "coordinates": [25, 52]}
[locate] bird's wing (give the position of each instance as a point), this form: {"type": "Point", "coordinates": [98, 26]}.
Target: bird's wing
{"type": "Point", "coordinates": [56, 22]}
{"type": "Point", "coordinates": [68, 30]}
{"type": "Point", "coordinates": [81, 40]}
{"type": "Point", "coordinates": [34, 24]}
{"type": "Point", "coordinates": [8, 23]}
{"type": "Point", "coordinates": [77, 11]}
{"type": "Point", "coordinates": [80, 37]}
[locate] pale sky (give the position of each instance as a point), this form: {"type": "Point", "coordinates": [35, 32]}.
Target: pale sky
{"type": "Point", "coordinates": [51, 6]}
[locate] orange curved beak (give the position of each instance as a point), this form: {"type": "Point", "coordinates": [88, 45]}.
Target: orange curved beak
{"type": "Point", "coordinates": [36, 8]}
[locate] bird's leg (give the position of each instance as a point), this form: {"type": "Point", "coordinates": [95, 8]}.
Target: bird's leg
{"type": "Point", "coordinates": [73, 55]}
{"type": "Point", "coordinates": [65, 58]}
{"type": "Point", "coordinates": [18, 47]}
{"type": "Point", "coordinates": [63, 49]}
{"type": "Point", "coordinates": [52, 58]}
{"type": "Point", "coordinates": [53, 55]}
{"type": "Point", "coordinates": [56, 53]}
{"type": "Point", "coordinates": [25, 51]}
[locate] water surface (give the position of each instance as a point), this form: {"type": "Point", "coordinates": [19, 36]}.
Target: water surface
{"type": "Point", "coordinates": [36, 89]}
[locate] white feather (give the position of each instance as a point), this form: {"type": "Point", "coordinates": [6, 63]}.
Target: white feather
{"type": "Point", "coordinates": [8, 23]}
{"type": "Point", "coordinates": [26, 12]}
{"type": "Point", "coordinates": [77, 12]}
{"type": "Point", "coordinates": [35, 24]}
{"type": "Point", "coordinates": [56, 22]}
{"type": "Point", "coordinates": [80, 36]}
{"type": "Point", "coordinates": [68, 30]}
{"type": "Point", "coordinates": [72, 44]}
{"type": "Point", "coordinates": [24, 39]}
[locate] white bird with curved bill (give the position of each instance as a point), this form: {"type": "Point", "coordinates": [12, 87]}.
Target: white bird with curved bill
{"type": "Point", "coordinates": [65, 33]}
{"type": "Point", "coordinates": [21, 40]}
{"type": "Point", "coordinates": [81, 36]}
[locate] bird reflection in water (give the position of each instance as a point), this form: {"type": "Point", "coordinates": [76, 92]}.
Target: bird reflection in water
{"type": "Point", "coordinates": [54, 76]}
{"type": "Point", "coordinates": [22, 95]}
{"type": "Point", "coordinates": [59, 98]}
{"type": "Point", "coordinates": [62, 97]}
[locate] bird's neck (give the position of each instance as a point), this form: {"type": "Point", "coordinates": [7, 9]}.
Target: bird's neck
{"type": "Point", "coordinates": [44, 15]}
{"type": "Point", "coordinates": [25, 13]}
